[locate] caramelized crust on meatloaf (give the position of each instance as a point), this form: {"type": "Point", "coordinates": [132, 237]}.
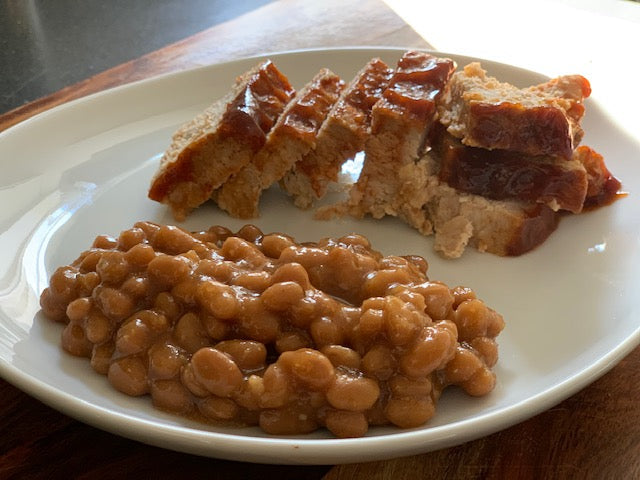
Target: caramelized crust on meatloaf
{"type": "Point", "coordinates": [221, 140]}
{"type": "Point", "coordinates": [341, 136]}
{"type": "Point", "coordinates": [539, 120]}
{"type": "Point", "coordinates": [400, 122]}
{"type": "Point", "coordinates": [502, 174]}
{"type": "Point", "coordinates": [293, 136]}
{"type": "Point", "coordinates": [603, 188]}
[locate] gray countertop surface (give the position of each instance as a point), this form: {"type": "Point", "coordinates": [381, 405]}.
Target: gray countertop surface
{"type": "Point", "coordinates": [48, 45]}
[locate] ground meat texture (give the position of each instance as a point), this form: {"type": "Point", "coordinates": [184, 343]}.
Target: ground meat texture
{"type": "Point", "coordinates": [256, 329]}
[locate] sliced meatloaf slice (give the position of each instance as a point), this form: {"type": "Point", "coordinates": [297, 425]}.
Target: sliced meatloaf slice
{"type": "Point", "coordinates": [539, 120]}
{"type": "Point", "coordinates": [458, 219]}
{"type": "Point", "coordinates": [400, 122]}
{"type": "Point", "coordinates": [206, 151]}
{"type": "Point", "coordinates": [293, 136]}
{"type": "Point", "coordinates": [341, 136]}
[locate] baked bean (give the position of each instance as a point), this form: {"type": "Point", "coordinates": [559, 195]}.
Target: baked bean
{"type": "Point", "coordinates": [495, 323]}
{"type": "Point", "coordinates": [134, 336]}
{"type": "Point", "coordinates": [326, 332]}
{"type": "Point", "coordinates": [378, 282]}
{"type": "Point", "coordinates": [309, 367]}
{"type": "Point", "coordinates": [149, 228]}
{"type": "Point", "coordinates": [101, 357]}
{"type": "Point", "coordinates": [379, 362]}
{"type": "Point", "coordinates": [308, 257]}
{"type": "Point", "coordinates": [224, 271]}
{"type": "Point", "coordinates": [136, 287]}
{"type": "Point", "coordinates": [171, 395]}
{"type": "Point", "coordinates": [402, 386]}
{"type": "Point", "coordinates": [257, 329]}
{"type": "Point", "coordinates": [130, 238]}
{"type": "Point", "coordinates": [294, 340]}
{"type": "Point", "coordinates": [218, 299]}
{"type": "Point", "coordinates": [167, 270]}
{"type": "Point", "coordinates": [303, 313]}
{"type": "Point", "coordinates": [167, 304]}
{"type": "Point", "coordinates": [114, 303]}
{"type": "Point", "coordinates": [220, 233]}
{"type": "Point", "coordinates": [217, 408]}
{"type": "Point", "coordinates": [345, 424]}
{"type": "Point", "coordinates": [353, 393]}
{"type": "Point", "coordinates": [74, 340]}
{"type": "Point", "coordinates": [216, 329]}
{"type": "Point", "coordinates": [98, 327]}
{"type": "Point", "coordinates": [173, 240]}
{"type": "Point", "coordinates": [287, 421]}
{"type": "Point", "coordinates": [216, 371]}
{"type": "Point", "coordinates": [432, 350]}
{"type": "Point", "coordinates": [239, 250]}
{"type": "Point", "coordinates": [129, 375]}
{"type": "Point", "coordinates": [112, 268]}
{"type": "Point", "coordinates": [274, 244]}
{"type": "Point", "coordinates": [409, 412]}
{"type": "Point", "coordinates": [487, 348]}
{"type": "Point", "coordinates": [341, 356]}
{"type": "Point", "coordinates": [460, 294]}
{"type": "Point", "coordinates": [207, 268]}
{"type": "Point", "coordinates": [401, 323]}
{"type": "Point", "coordinates": [86, 283]}
{"type": "Point", "coordinates": [462, 366]}
{"type": "Point", "coordinates": [408, 296]}
{"type": "Point", "coordinates": [348, 272]}
{"type": "Point", "coordinates": [276, 387]}
{"type": "Point", "coordinates": [254, 281]}
{"type": "Point", "coordinates": [371, 323]}
{"type": "Point", "coordinates": [247, 354]}
{"type": "Point", "coordinates": [78, 309]}
{"type": "Point", "coordinates": [166, 360]}
{"type": "Point", "coordinates": [250, 393]}
{"type": "Point", "coordinates": [250, 233]}
{"type": "Point", "coordinates": [189, 333]}
{"type": "Point", "coordinates": [292, 272]}
{"type": "Point", "coordinates": [393, 262]}
{"type": "Point", "coordinates": [63, 284]}
{"type": "Point", "coordinates": [437, 297]}
{"type": "Point", "coordinates": [90, 261]}
{"type": "Point", "coordinates": [105, 242]}
{"type": "Point", "coordinates": [356, 240]}
{"type": "Point", "coordinates": [185, 291]}
{"type": "Point", "coordinates": [472, 319]}
{"type": "Point", "coordinates": [480, 383]}
{"type": "Point", "coordinates": [140, 255]}
{"type": "Point", "coordinates": [419, 262]}
{"type": "Point", "coordinates": [189, 380]}
{"type": "Point", "coordinates": [256, 323]}
{"type": "Point", "coordinates": [282, 295]}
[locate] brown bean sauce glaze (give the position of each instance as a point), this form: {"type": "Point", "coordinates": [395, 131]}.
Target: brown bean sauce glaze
{"type": "Point", "coordinates": [255, 329]}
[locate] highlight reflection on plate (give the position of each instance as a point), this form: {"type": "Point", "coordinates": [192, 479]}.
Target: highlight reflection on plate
{"type": "Point", "coordinates": [83, 169]}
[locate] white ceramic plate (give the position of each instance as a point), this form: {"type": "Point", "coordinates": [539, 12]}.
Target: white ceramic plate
{"type": "Point", "coordinates": [82, 169]}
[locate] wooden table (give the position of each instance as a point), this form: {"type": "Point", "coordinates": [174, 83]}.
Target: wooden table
{"type": "Point", "coordinates": [594, 434]}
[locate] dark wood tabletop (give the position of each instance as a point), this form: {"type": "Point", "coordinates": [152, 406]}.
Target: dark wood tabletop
{"type": "Point", "coordinates": [593, 434]}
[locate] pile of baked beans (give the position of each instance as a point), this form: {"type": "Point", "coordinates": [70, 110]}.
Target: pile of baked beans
{"type": "Point", "coordinates": [256, 329]}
